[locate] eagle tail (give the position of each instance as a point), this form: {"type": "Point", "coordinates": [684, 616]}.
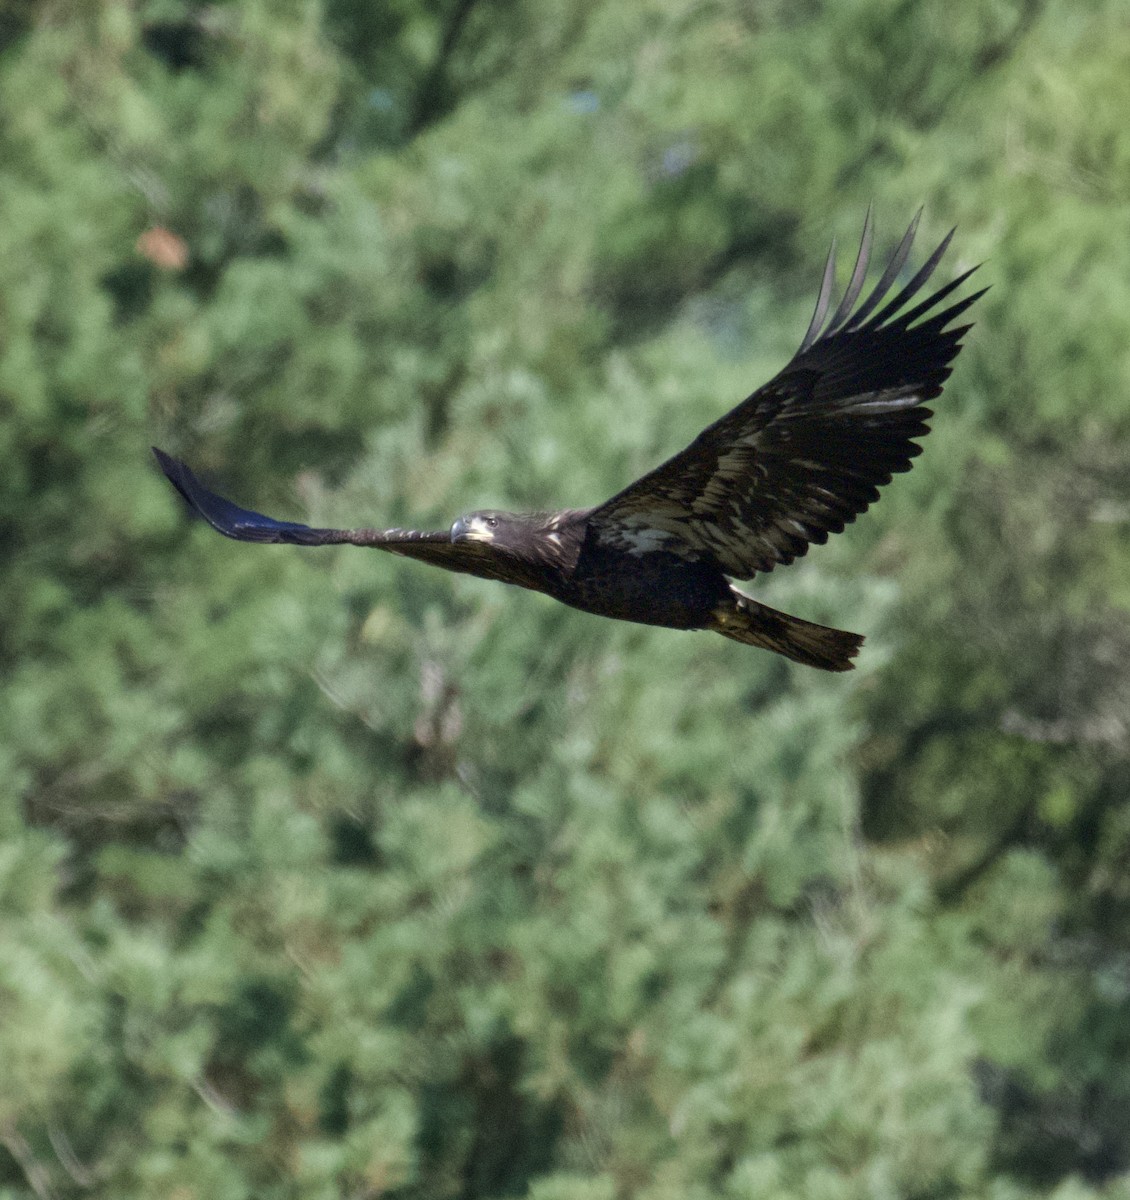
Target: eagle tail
{"type": "Point", "coordinates": [745, 620]}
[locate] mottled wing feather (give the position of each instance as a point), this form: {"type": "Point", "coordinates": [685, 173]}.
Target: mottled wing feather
{"type": "Point", "coordinates": [804, 455]}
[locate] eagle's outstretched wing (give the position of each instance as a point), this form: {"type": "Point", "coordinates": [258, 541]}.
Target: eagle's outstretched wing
{"type": "Point", "coordinates": [246, 526]}
{"type": "Point", "coordinates": [805, 454]}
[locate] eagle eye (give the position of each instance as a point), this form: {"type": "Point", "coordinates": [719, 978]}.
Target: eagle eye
{"type": "Point", "coordinates": [492, 522]}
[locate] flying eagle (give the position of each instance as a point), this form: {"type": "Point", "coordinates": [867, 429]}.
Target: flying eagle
{"type": "Point", "coordinates": [797, 460]}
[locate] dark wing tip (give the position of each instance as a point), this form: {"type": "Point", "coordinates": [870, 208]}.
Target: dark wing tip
{"type": "Point", "coordinates": [858, 274]}
{"type": "Point", "coordinates": [895, 313]}
{"type": "Point", "coordinates": [227, 518]}
{"type": "Point", "coordinates": [822, 300]}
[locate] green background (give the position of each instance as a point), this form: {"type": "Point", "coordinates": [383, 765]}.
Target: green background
{"type": "Point", "coordinates": [325, 874]}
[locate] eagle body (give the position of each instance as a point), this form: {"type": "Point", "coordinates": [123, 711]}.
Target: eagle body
{"type": "Point", "coordinates": [796, 461]}
{"type": "Point", "coordinates": [576, 567]}
{"type": "Point", "coordinates": [654, 587]}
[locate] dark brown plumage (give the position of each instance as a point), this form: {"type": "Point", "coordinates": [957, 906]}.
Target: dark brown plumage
{"type": "Point", "coordinates": [796, 461]}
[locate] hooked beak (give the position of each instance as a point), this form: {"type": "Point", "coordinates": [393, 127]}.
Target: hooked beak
{"type": "Point", "coordinates": [471, 529]}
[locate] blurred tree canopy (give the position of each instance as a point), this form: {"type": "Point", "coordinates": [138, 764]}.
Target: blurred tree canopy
{"type": "Point", "coordinates": [326, 875]}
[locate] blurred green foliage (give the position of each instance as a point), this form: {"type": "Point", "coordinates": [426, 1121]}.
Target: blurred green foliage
{"type": "Point", "coordinates": [326, 875]}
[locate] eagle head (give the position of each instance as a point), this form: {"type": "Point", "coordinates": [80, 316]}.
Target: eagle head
{"type": "Point", "coordinates": [537, 546]}
{"type": "Point", "coordinates": [532, 536]}
{"type": "Point", "coordinates": [489, 526]}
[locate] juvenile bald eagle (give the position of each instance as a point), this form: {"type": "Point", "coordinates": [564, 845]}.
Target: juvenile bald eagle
{"type": "Point", "coordinates": [797, 460]}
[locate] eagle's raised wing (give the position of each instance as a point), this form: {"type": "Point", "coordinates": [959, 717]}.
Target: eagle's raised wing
{"type": "Point", "coordinates": [807, 453]}
{"type": "Point", "coordinates": [246, 526]}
